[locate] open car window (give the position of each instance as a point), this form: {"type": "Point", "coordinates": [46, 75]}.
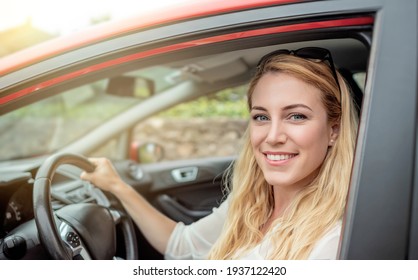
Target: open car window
{"type": "Point", "coordinates": [52, 123]}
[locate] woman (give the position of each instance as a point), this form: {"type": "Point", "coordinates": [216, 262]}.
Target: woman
{"type": "Point", "coordinates": [290, 181]}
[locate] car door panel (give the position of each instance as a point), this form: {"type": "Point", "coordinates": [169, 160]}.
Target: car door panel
{"type": "Point", "coordinates": [184, 197]}
{"type": "Point", "coordinates": [186, 201]}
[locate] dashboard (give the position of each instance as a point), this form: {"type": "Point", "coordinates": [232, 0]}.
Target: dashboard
{"type": "Point", "coordinates": [16, 191]}
{"type": "Point", "coordinates": [16, 205]}
{"type": "Point", "coordinates": [70, 198]}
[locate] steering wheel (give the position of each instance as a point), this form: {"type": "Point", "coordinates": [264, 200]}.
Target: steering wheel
{"type": "Point", "coordinates": [78, 231]}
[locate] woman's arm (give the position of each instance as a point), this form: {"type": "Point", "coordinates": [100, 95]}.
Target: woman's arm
{"type": "Point", "coordinates": [156, 227]}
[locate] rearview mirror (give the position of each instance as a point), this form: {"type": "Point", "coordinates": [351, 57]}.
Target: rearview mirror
{"type": "Point", "coordinates": [126, 86]}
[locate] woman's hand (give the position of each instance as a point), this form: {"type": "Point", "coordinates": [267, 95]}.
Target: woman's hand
{"type": "Point", "coordinates": [104, 176]}
{"type": "Point", "coordinates": [156, 227]}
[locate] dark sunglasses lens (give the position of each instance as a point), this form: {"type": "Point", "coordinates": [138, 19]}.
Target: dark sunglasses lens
{"type": "Point", "coordinates": [313, 53]}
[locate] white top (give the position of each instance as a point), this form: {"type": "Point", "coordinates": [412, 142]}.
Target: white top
{"type": "Point", "coordinates": [194, 241]}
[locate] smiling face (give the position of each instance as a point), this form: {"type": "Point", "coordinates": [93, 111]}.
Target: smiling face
{"type": "Point", "coordinates": [289, 130]}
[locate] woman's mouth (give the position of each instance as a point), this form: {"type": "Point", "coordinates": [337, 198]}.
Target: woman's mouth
{"type": "Point", "coordinates": [278, 157]}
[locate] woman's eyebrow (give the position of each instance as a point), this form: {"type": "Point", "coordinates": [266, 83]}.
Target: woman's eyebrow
{"type": "Point", "coordinates": [258, 108]}
{"type": "Point", "coordinates": [288, 107]}
{"type": "Point", "coordinates": [293, 106]}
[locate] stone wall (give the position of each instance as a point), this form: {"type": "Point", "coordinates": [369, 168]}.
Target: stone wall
{"type": "Point", "coordinates": [193, 138]}
{"type": "Point", "coordinates": [180, 138]}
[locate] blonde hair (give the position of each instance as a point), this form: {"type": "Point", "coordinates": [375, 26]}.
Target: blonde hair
{"type": "Point", "coordinates": [317, 207]}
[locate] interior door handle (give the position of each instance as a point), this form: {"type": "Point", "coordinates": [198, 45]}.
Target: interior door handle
{"type": "Point", "coordinates": [186, 174]}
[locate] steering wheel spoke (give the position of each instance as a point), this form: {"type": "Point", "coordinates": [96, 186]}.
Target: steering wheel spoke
{"type": "Point", "coordinates": [73, 241]}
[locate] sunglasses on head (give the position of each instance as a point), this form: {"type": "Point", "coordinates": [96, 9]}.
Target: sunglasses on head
{"type": "Point", "coordinates": [310, 53]}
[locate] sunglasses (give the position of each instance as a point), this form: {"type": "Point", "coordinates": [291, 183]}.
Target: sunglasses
{"type": "Point", "coordinates": [311, 53]}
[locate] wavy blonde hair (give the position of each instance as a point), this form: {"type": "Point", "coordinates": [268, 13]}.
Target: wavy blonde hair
{"type": "Point", "coordinates": [317, 207]}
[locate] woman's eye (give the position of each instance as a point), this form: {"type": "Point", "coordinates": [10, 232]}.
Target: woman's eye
{"type": "Point", "coordinates": [297, 117]}
{"type": "Point", "coordinates": [260, 118]}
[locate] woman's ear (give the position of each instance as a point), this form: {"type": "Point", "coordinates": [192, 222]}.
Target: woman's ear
{"type": "Point", "coordinates": [334, 132]}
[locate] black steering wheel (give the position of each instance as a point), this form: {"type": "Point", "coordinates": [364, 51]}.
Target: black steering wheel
{"type": "Point", "coordinates": [78, 231]}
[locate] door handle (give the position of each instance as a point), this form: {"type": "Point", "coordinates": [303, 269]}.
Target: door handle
{"type": "Point", "coordinates": [186, 174]}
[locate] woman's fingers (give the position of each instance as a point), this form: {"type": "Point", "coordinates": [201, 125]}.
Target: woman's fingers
{"type": "Point", "coordinates": [103, 176]}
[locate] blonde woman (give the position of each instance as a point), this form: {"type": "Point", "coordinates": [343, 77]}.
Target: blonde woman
{"type": "Point", "coordinates": [288, 187]}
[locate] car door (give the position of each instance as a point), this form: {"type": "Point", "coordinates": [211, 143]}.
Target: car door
{"type": "Point", "coordinates": [380, 221]}
{"type": "Point", "coordinates": [187, 190]}
{"type": "Point", "coordinates": [381, 217]}
{"type": "Point", "coordinates": [373, 36]}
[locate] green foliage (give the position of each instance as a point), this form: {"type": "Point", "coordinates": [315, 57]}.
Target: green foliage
{"type": "Point", "coordinates": [230, 103]}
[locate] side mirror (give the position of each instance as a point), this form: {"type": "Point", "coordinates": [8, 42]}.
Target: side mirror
{"type": "Point", "coordinates": [148, 152]}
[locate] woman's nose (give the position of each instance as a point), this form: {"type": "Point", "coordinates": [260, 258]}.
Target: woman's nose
{"type": "Point", "coordinates": [276, 134]}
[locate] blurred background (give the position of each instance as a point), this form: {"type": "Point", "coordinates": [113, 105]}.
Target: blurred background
{"type": "Point", "coordinates": [209, 126]}
{"type": "Point", "coordinates": [27, 22]}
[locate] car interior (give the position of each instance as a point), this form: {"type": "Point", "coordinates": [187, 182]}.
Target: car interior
{"type": "Point", "coordinates": [185, 189]}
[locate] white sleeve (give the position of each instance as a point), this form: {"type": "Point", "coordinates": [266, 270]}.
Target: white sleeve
{"type": "Point", "coordinates": [194, 241]}
{"type": "Point", "coordinates": [327, 247]}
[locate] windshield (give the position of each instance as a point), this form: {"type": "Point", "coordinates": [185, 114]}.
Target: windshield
{"type": "Point", "coordinates": [52, 123]}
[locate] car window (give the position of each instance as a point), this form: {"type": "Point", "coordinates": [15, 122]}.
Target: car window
{"type": "Point", "coordinates": [208, 126]}
{"type": "Point", "coordinates": [61, 118]}
{"type": "Point", "coordinates": [205, 127]}
{"type": "Point", "coordinates": [360, 79]}
{"type": "Point", "coordinates": [67, 116]}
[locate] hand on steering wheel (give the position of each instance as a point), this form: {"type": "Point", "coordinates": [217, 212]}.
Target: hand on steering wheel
{"type": "Point", "coordinates": [83, 230]}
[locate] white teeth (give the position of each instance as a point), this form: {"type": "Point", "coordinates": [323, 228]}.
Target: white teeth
{"type": "Point", "coordinates": [279, 157]}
